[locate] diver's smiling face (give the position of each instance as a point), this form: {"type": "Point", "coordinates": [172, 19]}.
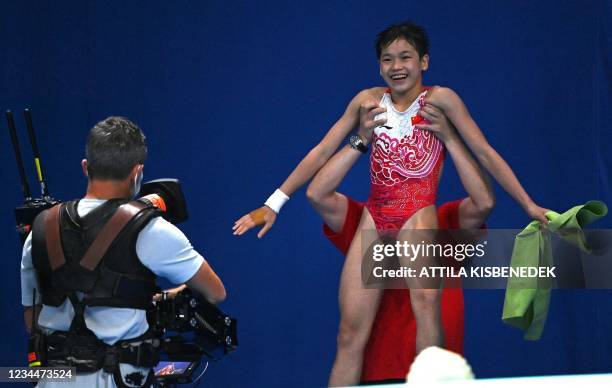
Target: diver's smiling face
{"type": "Point", "coordinates": [401, 67]}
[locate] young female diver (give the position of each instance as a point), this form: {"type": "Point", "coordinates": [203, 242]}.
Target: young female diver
{"type": "Point", "coordinates": [405, 167]}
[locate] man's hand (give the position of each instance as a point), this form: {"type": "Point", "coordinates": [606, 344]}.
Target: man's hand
{"type": "Point", "coordinates": [30, 314]}
{"type": "Point", "coordinates": [438, 123]}
{"type": "Point", "coordinates": [262, 216]}
{"type": "Point", "coordinates": [367, 122]}
{"type": "Point", "coordinates": [172, 293]}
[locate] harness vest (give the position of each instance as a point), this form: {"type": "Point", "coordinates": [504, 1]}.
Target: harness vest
{"type": "Point", "coordinates": [94, 254]}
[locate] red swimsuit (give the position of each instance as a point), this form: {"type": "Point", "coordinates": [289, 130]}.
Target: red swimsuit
{"type": "Point", "coordinates": [405, 166]}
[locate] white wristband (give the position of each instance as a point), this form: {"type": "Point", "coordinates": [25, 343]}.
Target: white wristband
{"type": "Point", "coordinates": [277, 200]}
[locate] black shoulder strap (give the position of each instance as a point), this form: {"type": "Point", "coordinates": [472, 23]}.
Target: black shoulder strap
{"type": "Point", "coordinates": [98, 248]}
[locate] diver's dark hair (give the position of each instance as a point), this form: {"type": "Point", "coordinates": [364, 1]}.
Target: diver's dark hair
{"type": "Point", "coordinates": [413, 33]}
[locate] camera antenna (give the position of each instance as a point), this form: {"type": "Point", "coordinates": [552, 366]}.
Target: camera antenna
{"type": "Point", "coordinates": [25, 215]}
{"type": "Point", "coordinates": [13, 132]}
{"type": "Point", "coordinates": [37, 161]}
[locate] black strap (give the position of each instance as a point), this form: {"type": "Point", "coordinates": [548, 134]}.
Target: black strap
{"type": "Point", "coordinates": [89, 354]}
{"type": "Point", "coordinates": [78, 322]}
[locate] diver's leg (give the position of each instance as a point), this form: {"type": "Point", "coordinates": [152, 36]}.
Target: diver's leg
{"type": "Point", "coordinates": [358, 307]}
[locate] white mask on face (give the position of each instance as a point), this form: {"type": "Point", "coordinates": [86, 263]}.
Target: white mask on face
{"type": "Point", "coordinates": [137, 183]}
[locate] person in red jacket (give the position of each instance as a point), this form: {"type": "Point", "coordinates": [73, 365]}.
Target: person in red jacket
{"type": "Point", "coordinates": [391, 347]}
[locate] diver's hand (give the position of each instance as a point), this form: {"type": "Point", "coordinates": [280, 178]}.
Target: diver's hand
{"type": "Point", "coordinates": [367, 119]}
{"type": "Point", "coordinates": [262, 216]}
{"type": "Point", "coordinates": [537, 213]}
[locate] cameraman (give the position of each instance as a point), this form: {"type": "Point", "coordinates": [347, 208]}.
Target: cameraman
{"type": "Point", "coordinates": [101, 307]}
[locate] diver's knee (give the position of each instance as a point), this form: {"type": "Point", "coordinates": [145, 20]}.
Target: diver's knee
{"type": "Point", "coordinates": [425, 299]}
{"type": "Point", "coordinates": [350, 334]}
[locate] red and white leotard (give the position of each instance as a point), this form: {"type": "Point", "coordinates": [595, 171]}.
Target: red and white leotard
{"type": "Point", "coordinates": [405, 166]}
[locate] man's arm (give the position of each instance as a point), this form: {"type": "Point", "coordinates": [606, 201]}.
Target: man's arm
{"type": "Point", "coordinates": [208, 284]}
{"type": "Point", "coordinates": [322, 194]}
{"type": "Point", "coordinates": [205, 282]}
{"type": "Point", "coordinates": [166, 251]}
{"type": "Point", "coordinates": [474, 209]}
{"type": "Point", "coordinates": [29, 285]}
{"type": "Point", "coordinates": [454, 108]}
{"type": "Point", "coordinates": [308, 167]}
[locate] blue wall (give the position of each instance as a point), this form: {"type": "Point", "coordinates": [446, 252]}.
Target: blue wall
{"type": "Point", "coordinates": [232, 94]}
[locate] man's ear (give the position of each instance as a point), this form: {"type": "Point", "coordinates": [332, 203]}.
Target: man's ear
{"type": "Point", "coordinates": [137, 169]}
{"type": "Point", "coordinates": [84, 167]}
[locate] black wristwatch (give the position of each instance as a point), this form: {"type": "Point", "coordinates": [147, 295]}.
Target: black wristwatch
{"type": "Point", "coordinates": [357, 143]}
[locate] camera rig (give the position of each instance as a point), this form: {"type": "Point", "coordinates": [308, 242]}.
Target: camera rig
{"type": "Point", "coordinates": [190, 328]}
{"type": "Point", "coordinates": [31, 207]}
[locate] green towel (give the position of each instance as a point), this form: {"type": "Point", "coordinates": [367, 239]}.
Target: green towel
{"type": "Point", "coordinates": [527, 299]}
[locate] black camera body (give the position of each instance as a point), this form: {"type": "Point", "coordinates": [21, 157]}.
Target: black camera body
{"type": "Point", "coordinates": [191, 330]}
{"type": "Point", "coordinates": [192, 327]}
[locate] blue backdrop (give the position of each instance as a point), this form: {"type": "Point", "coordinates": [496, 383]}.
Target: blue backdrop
{"type": "Point", "coordinates": [232, 94]}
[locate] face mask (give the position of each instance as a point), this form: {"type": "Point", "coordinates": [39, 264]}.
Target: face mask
{"type": "Point", "coordinates": [137, 183]}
